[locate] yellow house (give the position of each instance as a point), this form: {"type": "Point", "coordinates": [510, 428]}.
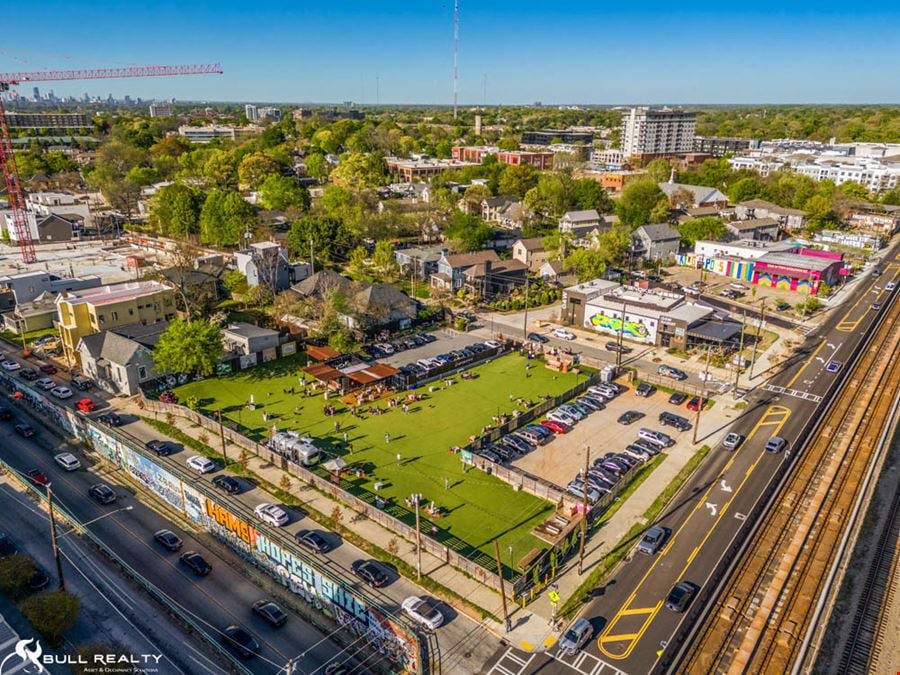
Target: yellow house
{"type": "Point", "coordinates": [92, 310]}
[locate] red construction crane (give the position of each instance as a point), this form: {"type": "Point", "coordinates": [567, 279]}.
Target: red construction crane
{"type": "Point", "coordinates": [8, 161]}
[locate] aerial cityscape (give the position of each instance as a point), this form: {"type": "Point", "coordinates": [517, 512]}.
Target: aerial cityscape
{"type": "Point", "coordinates": [449, 339]}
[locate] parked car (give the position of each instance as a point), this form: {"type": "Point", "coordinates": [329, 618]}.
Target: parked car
{"type": "Point", "coordinates": [592, 403]}
{"type": "Point", "coordinates": [732, 441]}
{"type": "Point", "coordinates": [272, 514]}
{"type": "Point", "coordinates": [680, 596]}
{"type": "Point", "coordinates": [890, 286]}
{"type": "Point", "coordinates": [636, 451]}
{"type": "Point", "coordinates": [656, 437]}
{"type": "Point", "coordinates": [645, 389]}
{"type": "Point", "coordinates": [372, 572]}
{"type": "Point", "coordinates": [537, 337]}
{"type": "Point", "coordinates": [49, 369]}
{"type": "Point", "coordinates": [161, 448]}
{"type": "Point", "coordinates": [102, 493]}
{"type": "Point", "coordinates": [314, 541]}
{"type": "Point", "coordinates": [227, 484]}
{"type": "Point", "coordinates": [201, 464]}
{"type": "Point", "coordinates": [240, 641]}
{"type": "Point", "coordinates": [668, 419]}
{"type": "Point", "coordinates": [578, 489]}
{"type": "Point", "coordinates": [423, 610]}
{"type": "Point", "coordinates": [575, 637]}
{"type": "Point", "coordinates": [85, 405]}
{"type": "Point", "coordinates": [82, 383]}
{"type": "Point", "coordinates": [677, 398]}
{"type": "Point", "coordinates": [555, 426]}
{"type": "Point", "coordinates": [24, 430]}
{"type": "Point", "coordinates": [782, 306]}
{"type": "Point", "coordinates": [775, 444]}
{"type": "Point", "coordinates": [696, 403]}
{"type": "Point", "coordinates": [46, 383]}
{"type": "Point", "coordinates": [30, 374]}
{"type": "Point", "coordinates": [834, 366]}
{"type": "Point", "coordinates": [559, 416]}
{"type": "Point", "coordinates": [674, 373]}
{"type": "Point", "coordinates": [10, 365]}
{"type": "Point", "coordinates": [110, 419]}
{"type": "Point", "coordinates": [61, 392]}
{"type": "Point", "coordinates": [572, 411]}
{"type": "Point", "coordinates": [67, 461]}
{"type": "Point", "coordinates": [629, 417]}
{"type": "Point", "coordinates": [652, 540]}
{"type": "Point", "coordinates": [196, 563]}
{"type": "Point", "coordinates": [167, 539]}
{"type": "Point", "coordinates": [270, 612]}
{"type": "Point", "coordinates": [562, 334]}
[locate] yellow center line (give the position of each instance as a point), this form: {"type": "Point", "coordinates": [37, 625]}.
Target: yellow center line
{"type": "Point", "coordinates": [803, 367]}
{"type": "Point", "coordinates": [624, 610]}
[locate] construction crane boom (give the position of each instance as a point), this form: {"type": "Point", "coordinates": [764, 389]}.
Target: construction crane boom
{"type": "Point", "coordinates": [14, 192]}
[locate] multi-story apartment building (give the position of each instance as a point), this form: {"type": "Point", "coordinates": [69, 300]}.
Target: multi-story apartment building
{"type": "Point", "coordinates": [207, 133]}
{"type": "Point", "coordinates": [651, 133]}
{"type": "Point", "coordinates": [550, 136]}
{"type": "Point", "coordinates": [721, 145]}
{"type": "Point", "coordinates": [251, 112]}
{"type": "Point", "coordinates": [91, 310]}
{"type": "Point", "coordinates": [477, 153]}
{"type": "Point", "coordinates": [160, 109]}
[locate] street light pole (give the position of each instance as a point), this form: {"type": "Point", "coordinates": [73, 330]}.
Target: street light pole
{"type": "Point", "coordinates": [740, 359]}
{"type": "Point", "coordinates": [525, 316]}
{"type": "Point", "coordinates": [53, 541]}
{"type": "Point", "coordinates": [702, 396]}
{"type": "Point", "coordinates": [762, 318]}
{"type": "Point", "coordinates": [506, 623]}
{"type": "Point", "coordinates": [222, 436]}
{"type": "Point", "coordinates": [584, 505]}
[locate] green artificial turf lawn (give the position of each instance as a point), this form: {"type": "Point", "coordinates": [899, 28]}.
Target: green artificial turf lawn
{"type": "Point", "coordinates": [477, 508]}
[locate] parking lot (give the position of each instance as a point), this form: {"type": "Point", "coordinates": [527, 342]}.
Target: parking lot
{"type": "Point", "coordinates": [560, 460]}
{"type": "Point", "coordinates": [447, 341]}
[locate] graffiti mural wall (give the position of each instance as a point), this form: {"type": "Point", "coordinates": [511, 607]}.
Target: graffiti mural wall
{"type": "Point", "coordinates": [603, 320]}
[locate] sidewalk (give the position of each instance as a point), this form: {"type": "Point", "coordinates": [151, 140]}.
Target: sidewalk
{"type": "Point", "coordinates": [531, 626]}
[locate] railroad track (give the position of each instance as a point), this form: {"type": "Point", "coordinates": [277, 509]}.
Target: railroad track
{"type": "Point", "coordinates": [864, 644]}
{"type": "Point", "coordinates": [759, 620]}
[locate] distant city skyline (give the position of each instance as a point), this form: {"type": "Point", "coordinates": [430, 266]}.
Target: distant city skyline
{"type": "Point", "coordinates": [510, 52]}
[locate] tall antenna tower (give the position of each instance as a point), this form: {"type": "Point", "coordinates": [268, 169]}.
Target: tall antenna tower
{"type": "Point", "coordinates": [455, 56]}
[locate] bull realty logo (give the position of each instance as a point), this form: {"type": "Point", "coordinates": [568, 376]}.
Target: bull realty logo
{"type": "Point", "coordinates": [32, 660]}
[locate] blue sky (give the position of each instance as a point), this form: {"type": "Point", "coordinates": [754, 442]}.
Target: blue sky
{"type": "Point", "coordinates": [552, 51]}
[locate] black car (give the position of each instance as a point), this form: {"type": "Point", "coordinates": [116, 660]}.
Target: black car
{"type": "Point", "coordinates": [240, 641]}
{"type": "Point", "coordinates": [7, 548]}
{"type": "Point", "coordinates": [195, 562]}
{"type": "Point", "coordinates": [102, 494]}
{"type": "Point", "coordinates": [313, 540]}
{"type": "Point", "coordinates": [673, 420]}
{"type": "Point", "coordinates": [537, 337]}
{"type": "Point", "coordinates": [110, 419]}
{"type": "Point", "coordinates": [24, 430]}
{"type": "Point", "coordinates": [161, 448]}
{"type": "Point", "coordinates": [680, 596]}
{"type": "Point", "coordinates": [428, 337]}
{"type": "Point", "coordinates": [227, 483]}
{"type": "Point", "coordinates": [782, 306]}
{"type": "Point", "coordinates": [629, 417]}
{"type": "Point", "coordinates": [616, 347]}
{"type": "Point", "coordinates": [30, 374]}
{"type": "Point", "coordinates": [677, 398]}
{"type": "Point", "coordinates": [645, 389]}
{"type": "Point", "coordinates": [371, 572]}
{"type": "Point", "coordinates": [269, 611]}
{"type": "Point", "coordinates": [168, 539]}
{"type": "Point", "coordinates": [5, 413]}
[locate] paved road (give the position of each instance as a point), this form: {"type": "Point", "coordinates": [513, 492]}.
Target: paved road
{"type": "Point", "coordinates": [222, 598]}
{"type": "Point", "coordinates": [632, 625]}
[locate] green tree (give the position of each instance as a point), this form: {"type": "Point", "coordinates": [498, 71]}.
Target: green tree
{"type": "Point", "coordinates": [508, 143]}
{"type": "Point", "coordinates": [614, 243]}
{"type": "Point", "coordinates": [219, 169]}
{"type": "Point", "coordinates": [854, 190]}
{"type": "Point", "coordinates": [329, 236]}
{"type": "Point", "coordinates": [383, 260]}
{"type": "Point", "coordinates": [640, 201]}
{"type": "Point", "coordinates": [467, 232]}
{"type": "Point", "coordinates": [706, 228]}
{"type": "Point", "coordinates": [143, 175]}
{"type": "Point", "coordinates": [745, 189]}
{"type": "Point", "coordinates": [358, 170]}
{"type": "Point", "coordinates": [589, 194]}
{"type": "Point", "coordinates": [283, 192]}
{"type": "Point", "coordinates": [189, 347]}
{"type": "Point", "coordinates": [586, 263]}
{"type": "Point", "coordinates": [819, 213]}
{"type": "Point", "coordinates": [52, 613]}
{"type": "Point", "coordinates": [557, 244]}
{"type": "Point", "coordinates": [316, 165]}
{"type": "Point", "coordinates": [256, 168]}
{"type": "Point", "coordinates": [516, 180]}
{"type": "Point", "coordinates": [659, 170]}
{"type": "Point", "coordinates": [225, 217]}
{"type": "Point", "coordinates": [175, 210]}
{"type": "Point", "coordinates": [345, 205]}
{"type": "Point", "coordinates": [235, 282]}
{"type": "Point", "coordinates": [357, 260]}
{"type": "Point", "coordinates": [16, 572]}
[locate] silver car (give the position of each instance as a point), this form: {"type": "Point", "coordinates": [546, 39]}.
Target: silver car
{"type": "Point", "coordinates": [575, 637]}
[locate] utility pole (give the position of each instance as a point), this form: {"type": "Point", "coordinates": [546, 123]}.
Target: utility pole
{"type": "Point", "coordinates": [584, 512]}
{"type": "Point", "coordinates": [762, 318]}
{"type": "Point", "coordinates": [222, 436]}
{"type": "Point", "coordinates": [502, 586]}
{"type": "Point", "coordinates": [737, 366]}
{"type": "Point", "coordinates": [312, 262]}
{"type": "Point", "coordinates": [702, 396]}
{"type": "Point", "coordinates": [416, 498]}
{"type": "Point", "coordinates": [53, 541]}
{"type": "Point", "coordinates": [620, 338]}
{"type": "Point", "coordinates": [525, 317]}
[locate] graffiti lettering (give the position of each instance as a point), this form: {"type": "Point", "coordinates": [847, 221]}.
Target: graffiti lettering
{"type": "Point", "coordinates": [614, 323]}
{"type": "Point", "coordinates": [230, 522]}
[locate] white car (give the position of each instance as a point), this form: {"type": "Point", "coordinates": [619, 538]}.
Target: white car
{"type": "Point", "coordinates": [559, 416]}
{"type": "Point", "coordinates": [492, 344]}
{"type": "Point", "coordinates": [890, 286]}
{"type": "Point", "coordinates": [46, 383]}
{"type": "Point", "coordinates": [68, 461]}
{"type": "Point", "coordinates": [423, 610]}
{"type": "Point", "coordinates": [201, 464]}
{"type": "Point", "coordinates": [562, 334]}
{"type": "Point", "coordinates": [271, 514]}
{"type": "Point", "coordinates": [10, 365]}
{"type": "Point", "coordinates": [61, 392]}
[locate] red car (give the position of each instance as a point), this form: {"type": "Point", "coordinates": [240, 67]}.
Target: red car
{"type": "Point", "coordinates": [48, 368]}
{"type": "Point", "coordinates": [86, 405]}
{"type": "Point", "coordinates": [696, 403]}
{"type": "Point", "coordinates": [37, 477]}
{"type": "Point", "coordinates": [554, 426]}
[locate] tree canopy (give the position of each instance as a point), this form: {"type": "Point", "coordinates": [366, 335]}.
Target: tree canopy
{"type": "Point", "coordinates": [189, 347]}
{"type": "Point", "coordinates": [641, 203]}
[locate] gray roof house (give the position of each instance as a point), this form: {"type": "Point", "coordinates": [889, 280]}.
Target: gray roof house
{"type": "Point", "coordinates": [116, 364]}
{"type": "Point", "coordinates": [760, 229]}
{"type": "Point", "coordinates": [579, 222]}
{"type": "Point", "coordinates": [788, 219]}
{"type": "Point", "coordinates": [245, 338]}
{"type": "Point", "coordinates": [424, 258]}
{"type": "Point", "coordinates": [33, 315]}
{"type": "Point", "coordinates": [452, 268]}
{"type": "Point", "coordinates": [655, 242]}
{"type": "Point", "coordinates": [266, 263]}
{"type": "Point", "coordinates": [702, 195]}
